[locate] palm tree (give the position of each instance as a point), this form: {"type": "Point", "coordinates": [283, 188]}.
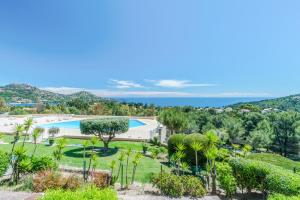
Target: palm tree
{"type": "Point", "coordinates": [184, 167]}
{"type": "Point", "coordinates": [135, 163]}
{"type": "Point", "coordinates": [27, 125]}
{"type": "Point", "coordinates": [128, 153]}
{"type": "Point", "coordinates": [196, 146]}
{"type": "Point", "coordinates": [179, 155]}
{"type": "Point", "coordinates": [85, 144]}
{"type": "Point", "coordinates": [60, 145]}
{"type": "Point", "coordinates": [18, 133]}
{"type": "Point", "coordinates": [35, 135]}
{"type": "Point", "coordinates": [210, 143]}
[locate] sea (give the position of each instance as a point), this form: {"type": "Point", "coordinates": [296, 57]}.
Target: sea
{"type": "Point", "coordinates": [215, 102]}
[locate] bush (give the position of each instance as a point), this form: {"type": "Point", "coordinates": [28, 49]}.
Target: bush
{"type": "Point", "coordinates": [265, 177]}
{"type": "Point", "coordinates": [169, 185]}
{"type": "Point", "coordinates": [283, 197]}
{"type": "Point", "coordinates": [193, 186]}
{"type": "Point", "coordinates": [48, 179]}
{"type": "Point", "coordinates": [283, 182]}
{"type": "Point", "coordinates": [87, 193]}
{"type": "Point", "coordinates": [4, 162]}
{"type": "Point", "coordinates": [176, 186]}
{"type": "Point", "coordinates": [72, 182]}
{"type": "Point", "coordinates": [101, 180]}
{"type": "Point", "coordinates": [43, 163]}
{"type": "Point", "coordinates": [250, 174]}
{"type": "Point", "coordinates": [226, 179]}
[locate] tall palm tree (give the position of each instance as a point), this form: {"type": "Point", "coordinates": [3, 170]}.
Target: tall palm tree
{"type": "Point", "coordinates": [27, 125]}
{"type": "Point", "coordinates": [35, 135]}
{"type": "Point", "coordinates": [196, 146]}
{"type": "Point", "coordinates": [128, 154]}
{"type": "Point", "coordinates": [60, 145]}
{"type": "Point", "coordinates": [18, 133]}
{"type": "Point", "coordinates": [135, 163]}
{"type": "Point", "coordinates": [211, 140]}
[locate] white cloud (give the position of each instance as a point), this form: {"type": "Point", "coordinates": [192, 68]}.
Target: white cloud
{"type": "Point", "coordinates": [123, 84]}
{"type": "Point", "coordinates": [179, 83]}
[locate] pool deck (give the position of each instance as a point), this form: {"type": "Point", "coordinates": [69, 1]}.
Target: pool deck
{"type": "Point", "coordinates": [145, 132]}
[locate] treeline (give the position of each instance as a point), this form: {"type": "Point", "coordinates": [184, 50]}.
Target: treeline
{"type": "Point", "coordinates": [81, 106]}
{"type": "Point", "coordinates": [274, 131]}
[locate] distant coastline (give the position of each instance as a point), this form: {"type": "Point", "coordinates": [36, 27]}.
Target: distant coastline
{"type": "Point", "coordinates": [191, 101]}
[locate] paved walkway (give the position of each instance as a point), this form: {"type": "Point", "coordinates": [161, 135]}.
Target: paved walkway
{"type": "Point", "coordinates": [6, 195]}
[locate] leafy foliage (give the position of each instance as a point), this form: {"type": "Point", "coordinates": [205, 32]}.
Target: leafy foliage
{"type": "Point", "coordinates": [86, 193]}
{"type": "Point", "coordinates": [4, 162]}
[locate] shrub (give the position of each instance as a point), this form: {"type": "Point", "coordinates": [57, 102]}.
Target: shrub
{"type": "Point", "coordinates": [226, 179]}
{"type": "Point", "coordinates": [45, 180]}
{"type": "Point", "coordinates": [43, 163]}
{"type": "Point", "coordinates": [283, 182]}
{"type": "Point", "coordinates": [177, 186]}
{"type": "Point", "coordinates": [169, 184]}
{"type": "Point", "coordinates": [72, 182]}
{"type": "Point", "coordinates": [101, 179]}
{"type": "Point", "coordinates": [262, 176]}
{"type": "Point", "coordinates": [250, 174]}
{"type": "Point", "coordinates": [87, 193]}
{"type": "Point", "coordinates": [4, 162]}
{"type": "Point", "coordinates": [49, 179]}
{"type": "Point", "coordinates": [282, 197]}
{"type": "Point", "coordinates": [193, 186]}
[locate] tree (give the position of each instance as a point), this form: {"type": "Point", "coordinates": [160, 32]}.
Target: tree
{"type": "Point", "coordinates": [196, 146]}
{"type": "Point", "coordinates": [18, 133]}
{"type": "Point", "coordinates": [52, 132]}
{"type": "Point", "coordinates": [234, 131]}
{"type": "Point", "coordinates": [262, 136]}
{"type": "Point", "coordinates": [61, 143]}
{"type": "Point", "coordinates": [211, 152]}
{"type": "Point", "coordinates": [27, 125]}
{"type": "Point", "coordinates": [135, 163]}
{"type": "Point", "coordinates": [104, 128]}
{"type": "Point", "coordinates": [174, 119]}
{"type": "Point", "coordinates": [35, 135]}
{"type": "Point", "coordinates": [287, 132]}
{"type": "Point", "coordinates": [2, 103]}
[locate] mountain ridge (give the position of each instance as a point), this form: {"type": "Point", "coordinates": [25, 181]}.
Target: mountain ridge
{"type": "Point", "coordinates": [25, 93]}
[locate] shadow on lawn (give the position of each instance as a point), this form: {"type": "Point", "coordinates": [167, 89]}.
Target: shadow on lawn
{"type": "Point", "coordinates": [78, 152]}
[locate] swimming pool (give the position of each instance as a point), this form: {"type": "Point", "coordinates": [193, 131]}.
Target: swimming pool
{"type": "Point", "coordinates": [133, 123]}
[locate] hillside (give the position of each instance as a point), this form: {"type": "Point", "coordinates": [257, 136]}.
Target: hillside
{"type": "Point", "coordinates": [283, 103]}
{"type": "Point", "coordinates": [25, 93]}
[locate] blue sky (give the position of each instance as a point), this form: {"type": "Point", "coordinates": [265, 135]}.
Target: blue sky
{"type": "Point", "coordinates": [152, 48]}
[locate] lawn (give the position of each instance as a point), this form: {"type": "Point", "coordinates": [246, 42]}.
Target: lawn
{"type": "Point", "coordinates": [73, 156]}
{"type": "Point", "coordinates": [277, 160]}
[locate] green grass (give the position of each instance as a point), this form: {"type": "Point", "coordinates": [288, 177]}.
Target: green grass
{"type": "Point", "coordinates": [277, 160]}
{"type": "Point", "coordinates": [73, 156]}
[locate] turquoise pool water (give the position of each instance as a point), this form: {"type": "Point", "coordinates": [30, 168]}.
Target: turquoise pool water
{"type": "Point", "coordinates": [133, 123]}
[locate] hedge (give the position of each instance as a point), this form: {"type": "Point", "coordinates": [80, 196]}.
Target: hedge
{"type": "Point", "coordinates": [87, 193]}
{"type": "Point", "coordinates": [252, 174]}
{"type": "Point", "coordinates": [4, 162]}
{"type": "Point", "coordinates": [283, 197]}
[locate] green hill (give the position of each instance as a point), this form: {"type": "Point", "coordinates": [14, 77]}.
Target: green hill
{"type": "Point", "coordinates": [283, 103]}
{"type": "Point", "coordinates": [25, 93]}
